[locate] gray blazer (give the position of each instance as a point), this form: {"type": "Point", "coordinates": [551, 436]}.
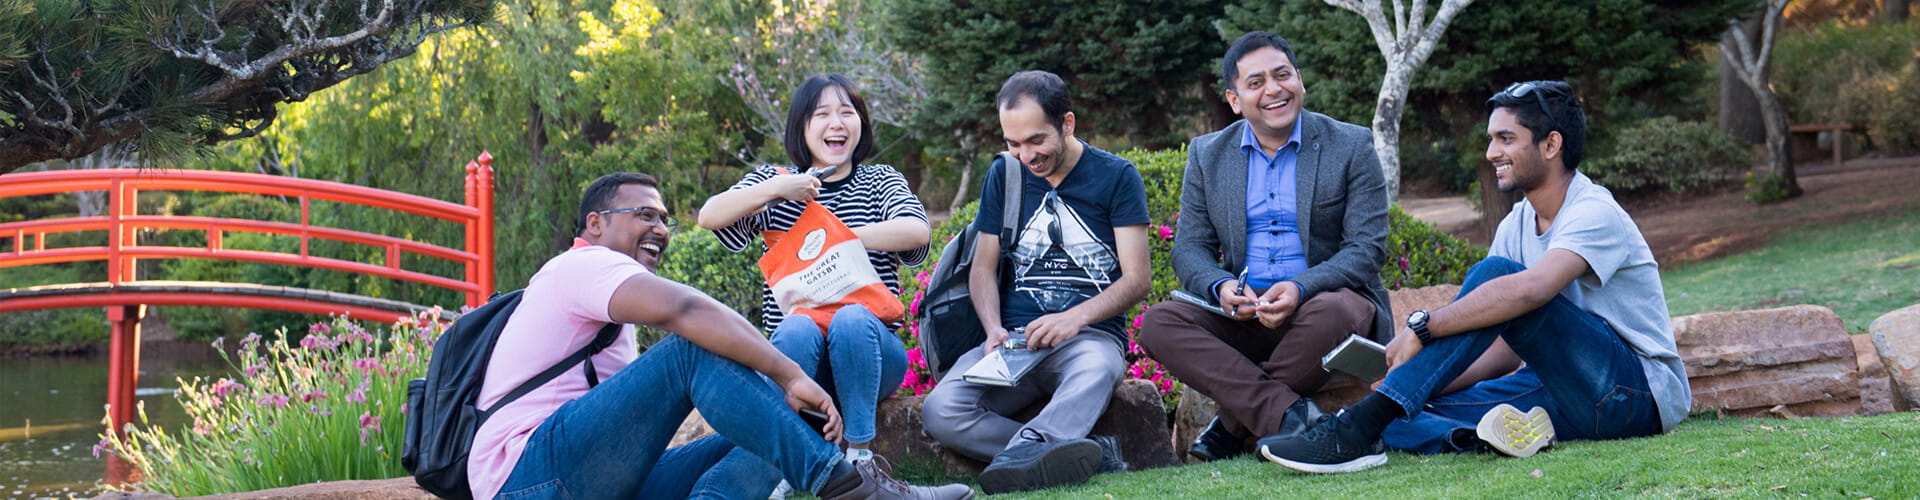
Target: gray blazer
{"type": "Point", "coordinates": [1342, 206]}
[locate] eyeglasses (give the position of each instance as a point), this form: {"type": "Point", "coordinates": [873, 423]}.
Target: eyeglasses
{"type": "Point", "coordinates": [1522, 89]}
{"type": "Point", "coordinates": [648, 215]}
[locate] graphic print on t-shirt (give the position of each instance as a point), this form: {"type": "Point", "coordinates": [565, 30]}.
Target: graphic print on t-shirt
{"type": "Point", "coordinates": [1059, 263]}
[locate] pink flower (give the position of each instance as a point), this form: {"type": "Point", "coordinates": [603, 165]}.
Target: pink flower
{"type": "Point", "coordinates": [1166, 232]}
{"type": "Point", "coordinates": [369, 365]}
{"type": "Point", "coordinates": [359, 394]}
{"type": "Point", "coordinates": [273, 401]}
{"type": "Point", "coordinates": [103, 446]}
{"type": "Point", "coordinates": [916, 359]}
{"type": "Point", "coordinates": [1134, 348]}
{"type": "Point", "coordinates": [1136, 371]}
{"type": "Point", "coordinates": [201, 427]}
{"type": "Point", "coordinates": [1137, 319]}
{"type": "Point", "coordinates": [225, 386]}
{"type": "Point", "coordinates": [369, 424]}
{"type": "Point", "coordinates": [912, 379]}
{"type": "Point", "coordinates": [254, 370]}
{"type": "Point", "coordinates": [914, 309]}
{"type": "Point", "coordinates": [309, 397]}
{"type": "Point", "coordinates": [1403, 263]}
{"type": "Point", "coordinates": [922, 277]}
{"type": "Point", "coordinates": [320, 328]}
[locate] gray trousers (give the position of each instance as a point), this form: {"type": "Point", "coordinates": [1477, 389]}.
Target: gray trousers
{"type": "Point", "coordinates": [1076, 381]}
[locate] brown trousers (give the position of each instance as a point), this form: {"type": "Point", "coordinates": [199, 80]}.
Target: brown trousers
{"type": "Point", "coordinates": [1252, 371]}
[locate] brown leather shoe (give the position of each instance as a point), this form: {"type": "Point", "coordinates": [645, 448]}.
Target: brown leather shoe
{"type": "Point", "coordinates": [870, 479]}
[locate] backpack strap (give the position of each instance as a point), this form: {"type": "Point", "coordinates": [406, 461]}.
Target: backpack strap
{"type": "Point", "coordinates": [600, 342]}
{"type": "Point", "coordinates": [1011, 196]}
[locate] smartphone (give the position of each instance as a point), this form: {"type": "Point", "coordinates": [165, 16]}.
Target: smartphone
{"type": "Point", "coordinates": [816, 419]}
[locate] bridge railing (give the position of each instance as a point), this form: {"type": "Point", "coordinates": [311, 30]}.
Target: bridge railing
{"type": "Point", "coordinates": [123, 221]}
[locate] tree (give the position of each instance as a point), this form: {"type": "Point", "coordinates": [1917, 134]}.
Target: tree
{"type": "Point", "coordinates": [1405, 41]}
{"type": "Point", "coordinates": [1136, 70]}
{"type": "Point", "coordinates": [1777, 181]}
{"type": "Point", "coordinates": [180, 74]}
{"type": "Point", "coordinates": [814, 37]}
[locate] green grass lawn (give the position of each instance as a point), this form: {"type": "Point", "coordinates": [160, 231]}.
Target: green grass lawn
{"type": "Point", "coordinates": [1857, 457]}
{"type": "Point", "coordinates": [1861, 270]}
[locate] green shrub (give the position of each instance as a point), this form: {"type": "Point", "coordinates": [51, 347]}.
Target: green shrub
{"type": "Point", "coordinates": [1419, 255]}
{"type": "Point", "coordinates": [1666, 154]}
{"type": "Point", "coordinates": [1855, 74]}
{"type": "Point", "coordinates": [294, 413]}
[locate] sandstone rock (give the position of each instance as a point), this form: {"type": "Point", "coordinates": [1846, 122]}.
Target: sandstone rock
{"type": "Point", "coordinates": [1876, 391]}
{"type": "Point", "coordinates": [694, 427]}
{"type": "Point", "coordinates": [1138, 417]}
{"type": "Point", "coordinates": [1789, 361]}
{"type": "Point", "coordinates": [401, 488]}
{"type": "Point", "coordinates": [1407, 301]}
{"type": "Point", "coordinates": [1134, 414]}
{"type": "Point", "coordinates": [1896, 336]}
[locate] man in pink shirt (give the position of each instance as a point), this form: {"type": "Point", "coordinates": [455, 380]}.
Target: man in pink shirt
{"type": "Point", "coordinates": [569, 439]}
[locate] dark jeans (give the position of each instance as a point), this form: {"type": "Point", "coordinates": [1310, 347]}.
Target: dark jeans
{"type": "Point", "coordinates": [1591, 382]}
{"type": "Point", "coordinates": [611, 443]}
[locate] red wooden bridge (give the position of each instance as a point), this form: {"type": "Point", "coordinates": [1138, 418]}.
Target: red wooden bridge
{"type": "Point", "coordinates": [125, 297]}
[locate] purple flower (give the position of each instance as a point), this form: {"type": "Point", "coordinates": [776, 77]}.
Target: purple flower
{"type": "Point", "coordinates": [369, 365]}
{"type": "Point", "coordinates": [309, 397]}
{"type": "Point", "coordinates": [320, 328]}
{"type": "Point", "coordinates": [103, 446]}
{"type": "Point", "coordinates": [254, 370]}
{"type": "Point", "coordinates": [369, 424]}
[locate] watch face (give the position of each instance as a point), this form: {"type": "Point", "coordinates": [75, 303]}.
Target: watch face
{"type": "Point", "coordinates": [1418, 317]}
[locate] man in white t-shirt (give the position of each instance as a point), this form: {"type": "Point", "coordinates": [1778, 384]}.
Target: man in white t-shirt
{"type": "Point", "coordinates": [1569, 284]}
{"type": "Point", "coordinates": [570, 439]}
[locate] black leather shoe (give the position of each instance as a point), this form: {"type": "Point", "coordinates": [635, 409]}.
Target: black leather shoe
{"type": "Point", "coordinates": [1215, 443]}
{"type": "Point", "coordinates": [1301, 415]}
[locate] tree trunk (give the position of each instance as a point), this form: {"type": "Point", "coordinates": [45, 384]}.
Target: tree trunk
{"type": "Point", "coordinates": [1894, 11]}
{"type": "Point", "coordinates": [960, 194]}
{"type": "Point", "coordinates": [1386, 126]}
{"type": "Point", "coordinates": [1739, 109]}
{"type": "Point", "coordinates": [1779, 149]}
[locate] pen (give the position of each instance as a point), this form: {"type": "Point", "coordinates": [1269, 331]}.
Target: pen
{"type": "Point", "coordinates": [1240, 288]}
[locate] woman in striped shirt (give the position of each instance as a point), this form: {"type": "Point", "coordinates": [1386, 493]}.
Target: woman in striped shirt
{"type": "Point", "coordinates": [827, 131]}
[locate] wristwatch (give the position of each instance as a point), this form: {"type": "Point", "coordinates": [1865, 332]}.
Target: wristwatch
{"type": "Point", "coordinates": [1418, 323]}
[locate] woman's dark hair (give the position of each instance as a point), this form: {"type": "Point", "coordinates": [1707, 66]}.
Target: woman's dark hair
{"type": "Point", "coordinates": [601, 193]}
{"type": "Point", "coordinates": [800, 111]}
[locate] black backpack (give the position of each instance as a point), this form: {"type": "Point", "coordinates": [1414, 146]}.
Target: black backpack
{"type": "Point", "coordinates": [949, 327]}
{"type": "Point", "coordinates": [441, 417]}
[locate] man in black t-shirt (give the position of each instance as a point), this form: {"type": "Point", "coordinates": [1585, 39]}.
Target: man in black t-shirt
{"type": "Point", "coordinates": [1079, 261]}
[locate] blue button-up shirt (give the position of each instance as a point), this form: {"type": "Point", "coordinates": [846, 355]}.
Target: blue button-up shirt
{"type": "Point", "coordinates": [1275, 251]}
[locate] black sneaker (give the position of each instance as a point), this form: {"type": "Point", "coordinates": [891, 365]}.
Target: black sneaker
{"type": "Point", "coordinates": [1303, 414]}
{"type": "Point", "coordinates": [1330, 446]}
{"type": "Point", "coordinates": [1110, 458]}
{"type": "Point", "coordinates": [1039, 464]}
{"type": "Point", "coordinates": [1215, 443]}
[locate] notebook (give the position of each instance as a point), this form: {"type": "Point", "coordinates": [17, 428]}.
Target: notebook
{"type": "Point", "coordinates": [1357, 356]}
{"type": "Point", "coordinates": [1004, 366]}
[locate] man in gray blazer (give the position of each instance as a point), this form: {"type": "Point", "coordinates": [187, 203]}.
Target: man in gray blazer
{"type": "Point", "coordinates": [1283, 224]}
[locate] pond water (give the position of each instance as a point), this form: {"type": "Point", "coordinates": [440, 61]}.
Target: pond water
{"type": "Point", "coordinates": [53, 407]}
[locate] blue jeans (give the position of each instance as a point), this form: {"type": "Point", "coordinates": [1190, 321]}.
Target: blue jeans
{"type": "Point", "coordinates": [1591, 382]}
{"type": "Point", "coordinates": [864, 363]}
{"type": "Point", "coordinates": [611, 443]}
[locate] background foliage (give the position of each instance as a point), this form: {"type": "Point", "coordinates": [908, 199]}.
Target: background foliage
{"type": "Point", "coordinates": [1848, 73]}
{"type": "Point", "coordinates": [1666, 154]}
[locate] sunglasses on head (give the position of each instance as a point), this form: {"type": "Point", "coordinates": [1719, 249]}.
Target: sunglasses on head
{"type": "Point", "coordinates": [1521, 90]}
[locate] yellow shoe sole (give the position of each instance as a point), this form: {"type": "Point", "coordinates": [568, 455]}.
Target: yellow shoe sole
{"type": "Point", "coordinates": [1515, 433]}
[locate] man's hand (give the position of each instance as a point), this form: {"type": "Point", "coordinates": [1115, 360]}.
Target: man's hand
{"type": "Point", "coordinates": [1052, 329]}
{"type": "Point", "coordinates": [1278, 304]}
{"type": "Point", "coordinates": [803, 393]}
{"type": "Point", "coordinates": [995, 337]}
{"type": "Point", "coordinates": [793, 187]}
{"type": "Point", "coordinates": [1235, 301]}
{"type": "Point", "coordinates": [1404, 345]}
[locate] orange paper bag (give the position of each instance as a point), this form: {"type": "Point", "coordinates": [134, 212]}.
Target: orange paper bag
{"type": "Point", "coordinates": [819, 266]}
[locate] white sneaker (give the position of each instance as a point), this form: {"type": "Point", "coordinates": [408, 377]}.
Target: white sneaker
{"type": "Point", "coordinates": [855, 455]}
{"type": "Point", "coordinates": [1514, 433]}
{"type": "Point", "coordinates": [780, 492]}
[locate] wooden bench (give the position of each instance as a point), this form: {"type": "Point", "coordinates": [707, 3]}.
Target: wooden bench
{"type": "Point", "coordinates": [1839, 131]}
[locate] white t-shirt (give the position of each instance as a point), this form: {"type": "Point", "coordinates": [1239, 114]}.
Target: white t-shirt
{"type": "Point", "coordinates": [562, 310]}
{"type": "Point", "coordinates": [1621, 286]}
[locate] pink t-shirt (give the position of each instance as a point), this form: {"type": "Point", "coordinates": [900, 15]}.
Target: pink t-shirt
{"type": "Point", "coordinates": [564, 307]}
